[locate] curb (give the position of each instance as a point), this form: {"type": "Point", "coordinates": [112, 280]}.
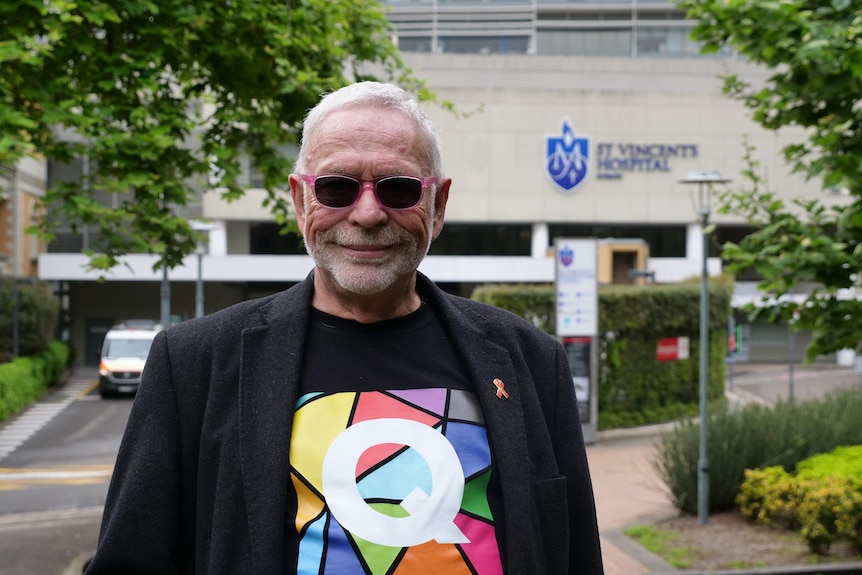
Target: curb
{"type": "Point", "coordinates": [818, 569]}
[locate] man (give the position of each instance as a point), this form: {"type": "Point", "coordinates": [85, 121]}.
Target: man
{"type": "Point", "coordinates": [362, 421]}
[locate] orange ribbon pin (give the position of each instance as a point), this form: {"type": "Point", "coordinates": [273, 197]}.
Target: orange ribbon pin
{"type": "Point", "coordinates": [501, 388]}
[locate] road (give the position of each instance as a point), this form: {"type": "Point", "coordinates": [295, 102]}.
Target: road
{"type": "Point", "coordinates": [56, 460]}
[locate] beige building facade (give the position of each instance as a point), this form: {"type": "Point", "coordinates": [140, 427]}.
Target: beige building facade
{"type": "Point", "coordinates": [573, 120]}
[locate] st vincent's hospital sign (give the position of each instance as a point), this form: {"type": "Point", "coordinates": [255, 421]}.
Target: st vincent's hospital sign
{"type": "Point", "coordinates": [615, 159]}
{"type": "Point", "coordinates": [569, 158]}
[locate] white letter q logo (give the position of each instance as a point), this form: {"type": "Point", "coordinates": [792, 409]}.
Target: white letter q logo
{"type": "Point", "coordinates": [431, 516]}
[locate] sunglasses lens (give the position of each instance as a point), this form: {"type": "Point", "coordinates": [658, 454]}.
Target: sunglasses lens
{"type": "Point", "coordinates": [399, 192]}
{"type": "Point", "coordinates": [336, 191]}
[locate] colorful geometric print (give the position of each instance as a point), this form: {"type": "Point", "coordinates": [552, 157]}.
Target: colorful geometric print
{"type": "Point", "coordinates": [393, 483]}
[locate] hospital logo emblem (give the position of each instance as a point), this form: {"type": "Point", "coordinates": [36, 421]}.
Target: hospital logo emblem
{"type": "Point", "coordinates": [567, 256]}
{"type": "Point", "coordinates": [567, 159]}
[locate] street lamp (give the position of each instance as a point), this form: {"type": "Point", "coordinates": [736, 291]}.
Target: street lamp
{"type": "Point", "coordinates": [200, 250]}
{"type": "Point", "coordinates": [704, 181]}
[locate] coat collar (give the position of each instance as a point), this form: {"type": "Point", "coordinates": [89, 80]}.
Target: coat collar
{"type": "Point", "coordinates": [270, 367]}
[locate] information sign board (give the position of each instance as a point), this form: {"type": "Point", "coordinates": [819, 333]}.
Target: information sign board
{"type": "Point", "coordinates": [576, 287]}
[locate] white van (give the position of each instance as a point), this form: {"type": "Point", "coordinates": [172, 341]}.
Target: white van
{"type": "Point", "coordinates": [124, 354]}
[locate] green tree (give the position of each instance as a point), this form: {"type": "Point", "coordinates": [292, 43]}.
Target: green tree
{"type": "Point", "coordinates": [163, 97]}
{"type": "Point", "coordinates": [813, 50]}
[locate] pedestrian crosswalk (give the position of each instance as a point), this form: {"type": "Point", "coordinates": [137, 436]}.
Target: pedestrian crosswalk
{"type": "Point", "coordinates": [34, 418]}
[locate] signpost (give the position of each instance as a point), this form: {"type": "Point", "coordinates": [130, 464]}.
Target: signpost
{"type": "Point", "coordinates": [577, 315]}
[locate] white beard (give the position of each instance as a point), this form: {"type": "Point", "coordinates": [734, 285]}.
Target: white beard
{"type": "Point", "coordinates": [365, 276]}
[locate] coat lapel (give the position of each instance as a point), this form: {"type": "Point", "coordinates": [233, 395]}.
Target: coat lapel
{"type": "Point", "coordinates": [504, 420]}
{"type": "Point", "coordinates": [270, 364]}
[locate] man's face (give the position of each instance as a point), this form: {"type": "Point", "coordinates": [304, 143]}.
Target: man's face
{"type": "Point", "coordinates": [366, 248]}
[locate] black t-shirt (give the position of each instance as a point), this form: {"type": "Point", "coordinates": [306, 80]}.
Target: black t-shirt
{"type": "Point", "coordinates": [391, 471]}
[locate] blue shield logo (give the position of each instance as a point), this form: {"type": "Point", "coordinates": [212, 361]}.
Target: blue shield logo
{"type": "Point", "coordinates": [567, 256]}
{"type": "Point", "coordinates": [567, 159]}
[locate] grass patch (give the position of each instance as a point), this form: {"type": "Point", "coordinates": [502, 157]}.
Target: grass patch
{"type": "Point", "coordinates": [744, 565]}
{"type": "Point", "coordinates": [663, 543]}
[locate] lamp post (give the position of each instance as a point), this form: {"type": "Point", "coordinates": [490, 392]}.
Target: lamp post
{"type": "Point", "coordinates": [200, 250]}
{"type": "Point", "coordinates": [16, 262]}
{"type": "Point", "coordinates": [704, 181]}
{"type": "Point", "coordinates": [165, 292]}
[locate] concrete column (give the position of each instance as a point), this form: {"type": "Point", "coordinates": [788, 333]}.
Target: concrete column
{"type": "Point", "coordinates": [541, 240]}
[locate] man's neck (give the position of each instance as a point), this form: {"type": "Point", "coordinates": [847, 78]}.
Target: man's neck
{"type": "Point", "coordinates": [398, 300]}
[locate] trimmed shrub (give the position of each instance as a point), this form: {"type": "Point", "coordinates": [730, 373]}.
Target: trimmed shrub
{"type": "Point", "coordinates": [634, 388]}
{"type": "Point", "coordinates": [770, 496]}
{"type": "Point", "coordinates": [535, 303]}
{"type": "Point", "coordinates": [824, 505]}
{"type": "Point", "coordinates": [845, 461]}
{"type": "Point", "coordinates": [830, 508]}
{"type": "Point", "coordinates": [24, 379]}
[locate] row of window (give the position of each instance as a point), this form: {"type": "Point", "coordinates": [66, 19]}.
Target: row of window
{"type": "Point", "coordinates": [514, 3]}
{"type": "Point", "coordinates": [643, 41]}
{"type": "Point", "coordinates": [667, 241]}
{"type": "Point", "coordinates": [616, 28]}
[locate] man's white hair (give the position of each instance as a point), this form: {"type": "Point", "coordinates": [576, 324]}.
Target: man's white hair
{"type": "Point", "coordinates": [374, 94]}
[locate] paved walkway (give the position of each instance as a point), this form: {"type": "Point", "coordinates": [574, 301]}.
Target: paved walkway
{"type": "Point", "coordinates": [628, 492]}
{"type": "Point", "coordinates": [627, 487]}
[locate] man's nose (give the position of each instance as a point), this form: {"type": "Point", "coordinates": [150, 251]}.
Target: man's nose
{"type": "Point", "coordinates": [367, 211]}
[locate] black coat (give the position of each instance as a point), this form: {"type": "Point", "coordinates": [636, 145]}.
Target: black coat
{"type": "Point", "coordinates": [201, 478]}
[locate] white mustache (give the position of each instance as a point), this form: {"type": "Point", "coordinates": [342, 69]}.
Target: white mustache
{"type": "Point", "coordinates": [349, 236]}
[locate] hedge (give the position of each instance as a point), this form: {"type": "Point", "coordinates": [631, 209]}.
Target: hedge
{"type": "Point", "coordinates": [633, 387]}
{"type": "Point", "coordinates": [26, 378]}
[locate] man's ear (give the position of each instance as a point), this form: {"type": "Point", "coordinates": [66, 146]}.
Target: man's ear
{"type": "Point", "coordinates": [297, 194]}
{"type": "Point", "coordinates": [440, 201]}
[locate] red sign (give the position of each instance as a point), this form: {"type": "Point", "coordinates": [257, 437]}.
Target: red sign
{"type": "Point", "coordinates": [671, 349]}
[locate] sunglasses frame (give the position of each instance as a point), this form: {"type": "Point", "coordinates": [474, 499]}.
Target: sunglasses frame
{"type": "Point", "coordinates": [310, 179]}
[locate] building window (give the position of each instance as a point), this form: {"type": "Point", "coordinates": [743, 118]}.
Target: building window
{"type": "Point", "coordinates": [414, 43]}
{"type": "Point", "coordinates": [665, 41]}
{"type": "Point", "coordinates": [483, 240]}
{"type": "Point", "coordinates": [483, 44]}
{"type": "Point", "coordinates": [663, 241]}
{"type": "Point", "coordinates": [584, 42]}
{"type": "Point", "coordinates": [265, 239]}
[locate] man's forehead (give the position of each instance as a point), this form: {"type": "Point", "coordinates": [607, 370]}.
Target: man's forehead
{"type": "Point", "coordinates": [362, 115]}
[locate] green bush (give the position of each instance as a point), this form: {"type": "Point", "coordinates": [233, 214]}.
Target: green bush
{"type": "Point", "coordinates": [830, 508]}
{"type": "Point", "coordinates": [821, 501]}
{"type": "Point", "coordinates": [770, 496]}
{"type": "Point", "coordinates": [843, 461]}
{"type": "Point", "coordinates": [535, 303]}
{"type": "Point", "coordinates": [752, 437]}
{"type": "Point", "coordinates": [24, 379]}
{"type": "Point", "coordinates": [38, 316]}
